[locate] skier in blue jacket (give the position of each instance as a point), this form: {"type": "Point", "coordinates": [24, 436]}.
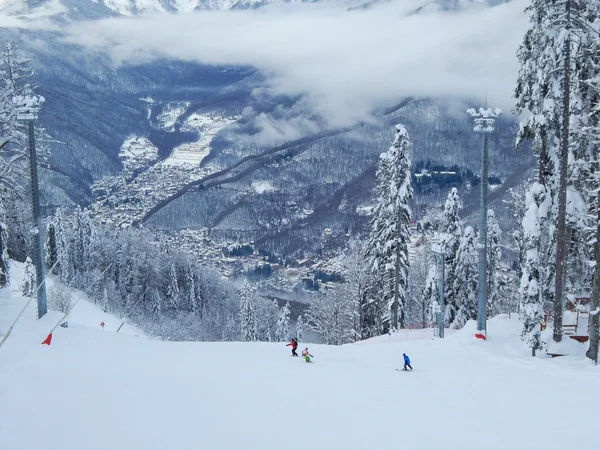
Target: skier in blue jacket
{"type": "Point", "coordinates": [406, 362]}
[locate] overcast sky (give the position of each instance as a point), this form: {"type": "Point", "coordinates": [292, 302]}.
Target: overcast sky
{"type": "Point", "coordinates": [346, 63]}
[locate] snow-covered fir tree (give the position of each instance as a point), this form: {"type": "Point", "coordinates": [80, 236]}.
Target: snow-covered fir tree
{"type": "Point", "coordinates": [267, 314]}
{"type": "Point", "coordinates": [283, 323]}
{"type": "Point", "coordinates": [582, 190]}
{"type": "Point", "coordinates": [82, 235]}
{"type": "Point", "coordinates": [431, 221]}
{"type": "Point", "coordinates": [50, 253]}
{"type": "Point", "coordinates": [29, 286]}
{"type": "Point", "coordinates": [494, 256]}
{"type": "Point", "coordinates": [515, 200]}
{"type": "Point", "coordinates": [466, 279]}
{"type": "Point", "coordinates": [430, 295]}
{"type": "Point", "coordinates": [105, 302]}
{"type": "Point", "coordinates": [299, 329]}
{"type": "Point", "coordinates": [173, 295]}
{"type": "Point", "coordinates": [507, 286]}
{"type": "Point", "coordinates": [231, 330]}
{"type": "Point", "coordinates": [534, 86]}
{"type": "Point", "coordinates": [155, 303]}
{"type": "Point", "coordinates": [591, 170]}
{"type": "Point", "coordinates": [531, 300]}
{"type": "Point", "coordinates": [192, 296]}
{"type": "Point", "coordinates": [62, 248]}
{"type": "Point", "coordinates": [388, 239]}
{"type": "Point", "coordinates": [248, 316]}
{"type": "Point", "coordinates": [450, 236]}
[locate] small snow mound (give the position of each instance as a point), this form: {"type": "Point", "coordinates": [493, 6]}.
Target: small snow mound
{"type": "Point", "coordinates": [566, 347]}
{"type": "Point", "coordinates": [499, 329]}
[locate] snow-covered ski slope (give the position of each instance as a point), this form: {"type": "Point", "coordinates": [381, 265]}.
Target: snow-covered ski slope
{"type": "Point", "coordinates": [97, 390]}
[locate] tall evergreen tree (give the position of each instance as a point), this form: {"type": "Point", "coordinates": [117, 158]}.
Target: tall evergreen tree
{"type": "Point", "coordinates": [192, 296]}
{"type": "Point", "coordinates": [50, 252]}
{"type": "Point", "coordinates": [62, 248]}
{"type": "Point", "coordinates": [155, 303]}
{"type": "Point", "coordinates": [299, 331]}
{"type": "Point", "coordinates": [105, 302]}
{"type": "Point", "coordinates": [267, 314]}
{"type": "Point", "coordinates": [430, 296]}
{"type": "Point", "coordinates": [591, 168]}
{"type": "Point", "coordinates": [516, 203]}
{"type": "Point", "coordinates": [450, 237]}
{"type": "Point", "coordinates": [29, 287]}
{"type": "Point", "coordinates": [82, 239]}
{"type": "Point", "coordinates": [388, 240]}
{"type": "Point", "coordinates": [494, 255]}
{"type": "Point", "coordinates": [230, 331]}
{"type": "Point", "coordinates": [466, 279]}
{"type": "Point", "coordinates": [173, 296]}
{"type": "Point", "coordinates": [594, 347]}
{"type": "Point", "coordinates": [538, 92]}
{"type": "Point", "coordinates": [248, 318]}
{"type": "Point", "coordinates": [530, 290]}
{"type": "Point", "coordinates": [283, 323]}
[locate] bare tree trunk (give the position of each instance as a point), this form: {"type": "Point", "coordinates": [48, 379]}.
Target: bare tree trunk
{"type": "Point", "coordinates": [592, 352]}
{"type": "Point", "coordinates": [396, 289]}
{"type": "Point", "coordinates": [543, 161]}
{"type": "Point", "coordinates": [561, 232]}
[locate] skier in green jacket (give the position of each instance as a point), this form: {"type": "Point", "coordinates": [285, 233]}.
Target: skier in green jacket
{"type": "Point", "coordinates": [307, 355]}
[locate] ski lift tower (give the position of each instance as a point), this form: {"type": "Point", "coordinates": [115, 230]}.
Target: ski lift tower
{"type": "Point", "coordinates": [439, 249]}
{"type": "Point", "coordinates": [27, 109]}
{"type": "Point", "coordinates": [484, 121]}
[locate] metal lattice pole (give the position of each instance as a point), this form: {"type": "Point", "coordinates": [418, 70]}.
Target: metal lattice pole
{"type": "Point", "coordinates": [482, 295]}
{"type": "Point", "coordinates": [38, 248]}
{"type": "Point", "coordinates": [27, 108]}
{"type": "Point", "coordinates": [440, 253]}
{"type": "Point", "coordinates": [442, 318]}
{"type": "Point", "coordinates": [484, 122]}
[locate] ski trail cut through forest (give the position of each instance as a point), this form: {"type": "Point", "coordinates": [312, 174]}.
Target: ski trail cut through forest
{"type": "Point", "coordinates": [260, 160]}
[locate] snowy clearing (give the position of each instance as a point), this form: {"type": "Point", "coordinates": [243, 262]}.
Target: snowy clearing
{"type": "Point", "coordinates": [262, 186]}
{"type": "Point", "coordinates": [171, 114]}
{"type": "Point", "coordinates": [194, 153]}
{"type": "Point", "coordinates": [137, 151]}
{"type": "Point", "coordinates": [93, 389]}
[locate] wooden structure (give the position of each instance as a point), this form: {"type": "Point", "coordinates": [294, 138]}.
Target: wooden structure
{"type": "Point", "coordinates": [576, 326]}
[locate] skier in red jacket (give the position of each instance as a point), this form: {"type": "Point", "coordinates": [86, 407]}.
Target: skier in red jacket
{"type": "Point", "coordinates": [294, 345]}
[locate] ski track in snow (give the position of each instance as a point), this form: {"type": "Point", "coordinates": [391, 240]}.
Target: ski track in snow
{"type": "Point", "coordinates": [94, 389]}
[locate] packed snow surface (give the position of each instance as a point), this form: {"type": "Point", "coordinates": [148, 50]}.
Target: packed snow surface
{"type": "Point", "coordinates": [93, 390]}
